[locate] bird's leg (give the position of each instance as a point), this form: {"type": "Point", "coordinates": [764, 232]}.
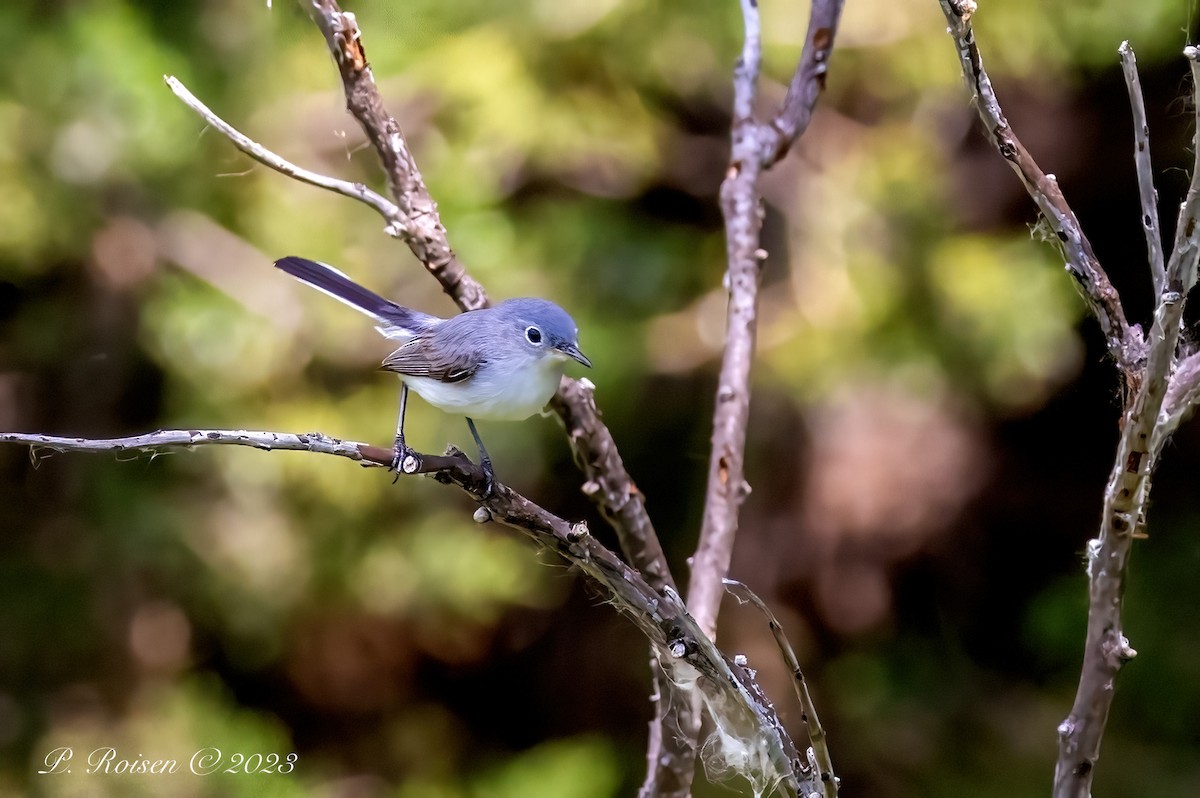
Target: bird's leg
{"type": "Point", "coordinates": [399, 449]}
{"type": "Point", "coordinates": [485, 462]}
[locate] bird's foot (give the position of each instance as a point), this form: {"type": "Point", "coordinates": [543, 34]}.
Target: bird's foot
{"type": "Point", "coordinates": [489, 478]}
{"type": "Point", "coordinates": [400, 454]}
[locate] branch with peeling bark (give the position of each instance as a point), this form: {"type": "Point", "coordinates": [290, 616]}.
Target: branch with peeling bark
{"type": "Point", "coordinates": [1162, 384]}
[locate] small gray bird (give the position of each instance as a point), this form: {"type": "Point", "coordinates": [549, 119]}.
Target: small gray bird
{"type": "Point", "coordinates": [501, 363]}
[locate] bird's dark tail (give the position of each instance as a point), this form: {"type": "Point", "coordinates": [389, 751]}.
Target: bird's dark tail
{"type": "Point", "coordinates": [329, 280]}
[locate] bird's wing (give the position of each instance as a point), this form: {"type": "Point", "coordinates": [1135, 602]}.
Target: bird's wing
{"type": "Point", "coordinates": [419, 358]}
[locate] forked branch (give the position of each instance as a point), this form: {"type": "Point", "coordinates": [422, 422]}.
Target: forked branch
{"type": "Point", "coordinates": [1162, 385]}
{"type": "Point", "coordinates": [755, 146]}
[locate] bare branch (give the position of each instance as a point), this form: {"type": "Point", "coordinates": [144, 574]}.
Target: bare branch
{"type": "Point", "coordinates": [1160, 388]}
{"type": "Point", "coordinates": [1145, 173]}
{"type": "Point", "coordinates": [671, 743]}
{"type": "Point", "coordinates": [452, 466]}
{"type": "Point", "coordinates": [754, 147]}
{"type": "Point", "coordinates": [1125, 343]}
{"type": "Point", "coordinates": [607, 482]}
{"type": "Point", "coordinates": [740, 204]}
{"type": "Point", "coordinates": [169, 439]}
{"type": "Point", "coordinates": [816, 732]}
{"type": "Point", "coordinates": [258, 152]}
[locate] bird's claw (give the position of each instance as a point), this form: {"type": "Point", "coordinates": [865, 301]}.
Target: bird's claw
{"type": "Point", "coordinates": [489, 478]}
{"type": "Point", "coordinates": [399, 453]}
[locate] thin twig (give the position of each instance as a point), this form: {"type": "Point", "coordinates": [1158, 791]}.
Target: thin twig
{"type": "Point", "coordinates": [755, 146]}
{"type": "Point", "coordinates": [1145, 173]}
{"type": "Point", "coordinates": [1125, 343]}
{"type": "Point", "coordinates": [173, 438]}
{"type": "Point", "coordinates": [258, 152]}
{"type": "Point", "coordinates": [816, 732]}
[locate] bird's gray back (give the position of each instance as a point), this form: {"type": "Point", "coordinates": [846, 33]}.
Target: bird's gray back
{"type": "Point", "coordinates": [448, 350]}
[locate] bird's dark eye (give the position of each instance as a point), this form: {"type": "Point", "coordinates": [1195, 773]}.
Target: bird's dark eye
{"type": "Point", "coordinates": [533, 334]}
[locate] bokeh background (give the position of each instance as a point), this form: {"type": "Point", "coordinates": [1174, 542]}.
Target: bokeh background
{"type": "Point", "coordinates": [933, 418]}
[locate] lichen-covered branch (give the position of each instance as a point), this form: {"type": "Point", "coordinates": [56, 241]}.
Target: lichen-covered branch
{"type": "Point", "coordinates": [755, 146]}
{"type": "Point", "coordinates": [1161, 387]}
{"type": "Point", "coordinates": [1144, 430]}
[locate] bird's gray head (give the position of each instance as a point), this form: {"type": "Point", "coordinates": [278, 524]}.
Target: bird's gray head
{"type": "Point", "coordinates": [544, 327]}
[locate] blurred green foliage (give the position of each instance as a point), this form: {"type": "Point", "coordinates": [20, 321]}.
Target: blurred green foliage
{"type": "Point", "coordinates": [930, 436]}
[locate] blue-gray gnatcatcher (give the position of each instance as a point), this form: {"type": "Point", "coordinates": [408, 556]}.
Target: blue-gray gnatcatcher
{"type": "Point", "coordinates": [502, 363]}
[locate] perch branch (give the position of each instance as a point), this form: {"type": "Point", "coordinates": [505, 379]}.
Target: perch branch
{"type": "Point", "coordinates": [1143, 433]}
{"type": "Point", "coordinates": [1125, 342]}
{"type": "Point", "coordinates": [755, 147]}
{"type": "Point", "coordinates": [1145, 172]}
{"type": "Point", "coordinates": [685, 651]}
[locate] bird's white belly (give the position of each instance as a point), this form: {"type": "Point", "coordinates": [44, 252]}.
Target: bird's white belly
{"type": "Point", "coordinates": [483, 397]}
